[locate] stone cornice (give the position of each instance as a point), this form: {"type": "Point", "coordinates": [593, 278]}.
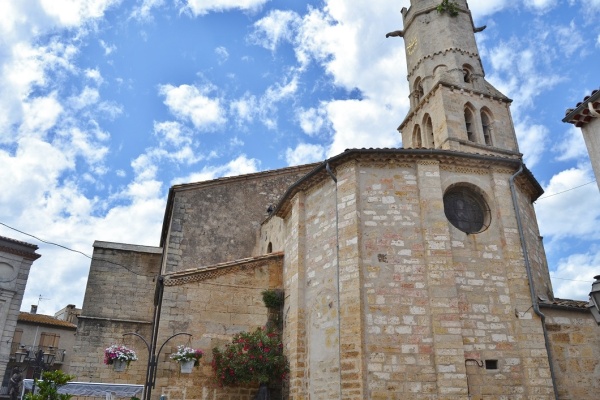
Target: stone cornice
{"type": "Point", "coordinates": [25, 254]}
{"type": "Point", "coordinates": [214, 271]}
{"type": "Point", "coordinates": [394, 157]}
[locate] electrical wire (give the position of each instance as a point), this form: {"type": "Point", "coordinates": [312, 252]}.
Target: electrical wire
{"type": "Point", "coordinates": [73, 250]}
{"type": "Point", "coordinates": [565, 191]}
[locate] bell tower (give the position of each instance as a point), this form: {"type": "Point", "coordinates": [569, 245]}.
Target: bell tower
{"type": "Point", "coordinates": [452, 106]}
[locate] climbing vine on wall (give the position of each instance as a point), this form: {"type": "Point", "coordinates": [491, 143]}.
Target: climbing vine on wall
{"type": "Point", "coordinates": [448, 6]}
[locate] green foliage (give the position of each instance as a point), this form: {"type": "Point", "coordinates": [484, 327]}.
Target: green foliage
{"type": "Point", "coordinates": [272, 298]}
{"type": "Point", "coordinates": [448, 6]}
{"type": "Point", "coordinates": [47, 388]}
{"type": "Point", "coordinates": [251, 357]}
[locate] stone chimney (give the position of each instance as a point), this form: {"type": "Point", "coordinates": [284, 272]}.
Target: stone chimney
{"type": "Point", "coordinates": [33, 309]}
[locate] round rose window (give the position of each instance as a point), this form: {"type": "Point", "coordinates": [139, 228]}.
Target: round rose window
{"type": "Point", "coordinates": [466, 210]}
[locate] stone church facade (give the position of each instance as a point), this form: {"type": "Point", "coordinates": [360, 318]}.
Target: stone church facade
{"type": "Point", "coordinates": [414, 273]}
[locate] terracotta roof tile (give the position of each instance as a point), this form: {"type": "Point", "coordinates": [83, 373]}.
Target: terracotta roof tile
{"type": "Point", "coordinates": [44, 320]}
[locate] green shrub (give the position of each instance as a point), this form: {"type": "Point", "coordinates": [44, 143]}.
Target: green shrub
{"type": "Point", "coordinates": [273, 298]}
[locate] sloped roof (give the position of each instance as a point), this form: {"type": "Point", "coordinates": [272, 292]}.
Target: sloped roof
{"type": "Point", "coordinates": [566, 304]}
{"type": "Point", "coordinates": [44, 320]}
{"type": "Point", "coordinates": [582, 114]}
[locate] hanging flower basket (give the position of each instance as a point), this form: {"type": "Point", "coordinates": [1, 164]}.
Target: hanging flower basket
{"type": "Point", "coordinates": [119, 357]}
{"type": "Point", "coordinates": [119, 366]}
{"type": "Point", "coordinates": [187, 358]}
{"type": "Point", "coordinates": [187, 366]}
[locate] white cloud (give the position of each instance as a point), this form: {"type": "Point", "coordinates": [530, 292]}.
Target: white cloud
{"type": "Point", "coordinates": [574, 275]}
{"type": "Point", "coordinates": [222, 54]}
{"type": "Point", "coordinates": [574, 213]}
{"type": "Point", "coordinates": [192, 103]}
{"type": "Point", "coordinates": [201, 7]}
{"type": "Point", "coordinates": [572, 146]}
{"type": "Point", "coordinates": [358, 124]}
{"type": "Point", "coordinates": [484, 8]}
{"type": "Point", "coordinates": [532, 139]}
{"type": "Point", "coordinates": [570, 38]}
{"type": "Point", "coordinates": [73, 13]}
{"type": "Point", "coordinates": [304, 153]}
{"type": "Point", "coordinates": [312, 120]}
{"type": "Point", "coordinates": [239, 166]}
{"type": "Point", "coordinates": [275, 27]}
{"type": "Point", "coordinates": [541, 6]}
{"type": "Point", "coordinates": [244, 109]}
{"type": "Point", "coordinates": [144, 10]}
{"type": "Point", "coordinates": [108, 48]}
{"type": "Point", "coordinates": [598, 41]}
{"type": "Point", "coordinates": [172, 132]}
{"type": "Point", "coordinates": [40, 115]}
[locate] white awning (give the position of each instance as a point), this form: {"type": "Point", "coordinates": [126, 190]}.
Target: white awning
{"type": "Point", "coordinates": [94, 389]}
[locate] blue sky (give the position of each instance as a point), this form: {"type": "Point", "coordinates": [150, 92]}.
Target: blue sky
{"type": "Point", "coordinates": [105, 104]}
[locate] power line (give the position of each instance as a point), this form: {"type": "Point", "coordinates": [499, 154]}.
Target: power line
{"type": "Point", "coordinates": [73, 250]}
{"type": "Point", "coordinates": [567, 279]}
{"type": "Point", "coordinates": [565, 191]}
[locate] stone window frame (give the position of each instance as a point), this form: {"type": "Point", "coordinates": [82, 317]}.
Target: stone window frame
{"type": "Point", "coordinates": [476, 197]}
{"type": "Point", "coordinates": [417, 137]}
{"type": "Point", "coordinates": [470, 122]}
{"type": "Point", "coordinates": [428, 131]}
{"type": "Point", "coordinates": [487, 129]}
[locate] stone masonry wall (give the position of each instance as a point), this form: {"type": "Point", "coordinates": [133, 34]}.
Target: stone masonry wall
{"type": "Point", "coordinates": [427, 311]}
{"type": "Point", "coordinates": [218, 221]}
{"type": "Point", "coordinates": [119, 298]}
{"type": "Point", "coordinates": [212, 304]}
{"type": "Point", "coordinates": [575, 342]}
{"type": "Point", "coordinates": [15, 263]}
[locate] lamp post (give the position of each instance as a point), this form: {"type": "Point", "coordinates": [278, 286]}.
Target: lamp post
{"type": "Point", "coordinates": [39, 361]}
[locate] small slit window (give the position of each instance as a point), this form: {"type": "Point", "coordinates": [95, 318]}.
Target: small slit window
{"type": "Point", "coordinates": [467, 73]}
{"type": "Point", "coordinates": [417, 141]}
{"type": "Point", "coordinates": [269, 248]}
{"type": "Point", "coordinates": [486, 124]}
{"type": "Point", "coordinates": [469, 118]}
{"type": "Point", "coordinates": [429, 132]}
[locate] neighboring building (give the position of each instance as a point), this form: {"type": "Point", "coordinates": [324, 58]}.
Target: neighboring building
{"type": "Point", "coordinates": [408, 273]}
{"type": "Point", "coordinates": [587, 117]}
{"type": "Point", "coordinates": [36, 332]}
{"type": "Point", "coordinates": [70, 314]}
{"type": "Point", "coordinates": [16, 258]}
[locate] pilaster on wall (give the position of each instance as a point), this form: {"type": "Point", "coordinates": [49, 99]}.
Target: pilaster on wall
{"type": "Point", "coordinates": [353, 370]}
{"type": "Point", "coordinates": [294, 309]}
{"type": "Point", "coordinates": [534, 365]}
{"type": "Point", "coordinates": [447, 346]}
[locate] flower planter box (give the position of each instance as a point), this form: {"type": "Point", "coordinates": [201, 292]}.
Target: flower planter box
{"type": "Point", "coordinates": [119, 366]}
{"type": "Point", "coordinates": [186, 366]}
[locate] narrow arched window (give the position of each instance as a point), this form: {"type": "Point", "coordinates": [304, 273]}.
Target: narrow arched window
{"type": "Point", "coordinates": [469, 118]}
{"type": "Point", "coordinates": [417, 141]}
{"type": "Point", "coordinates": [486, 125]}
{"type": "Point", "coordinates": [428, 127]}
{"type": "Point", "coordinates": [269, 248]}
{"type": "Point", "coordinates": [467, 73]}
{"type": "Point", "coordinates": [418, 89]}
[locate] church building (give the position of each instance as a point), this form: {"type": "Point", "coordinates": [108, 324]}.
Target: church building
{"type": "Point", "coordinates": [414, 273]}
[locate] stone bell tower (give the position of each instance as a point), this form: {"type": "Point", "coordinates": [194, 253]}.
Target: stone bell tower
{"type": "Point", "coordinates": [444, 70]}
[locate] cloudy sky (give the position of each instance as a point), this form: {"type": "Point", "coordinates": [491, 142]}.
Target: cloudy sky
{"type": "Point", "coordinates": [105, 104]}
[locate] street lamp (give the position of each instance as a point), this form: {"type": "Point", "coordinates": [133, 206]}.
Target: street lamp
{"type": "Point", "coordinates": [594, 304]}
{"type": "Point", "coordinates": [40, 361]}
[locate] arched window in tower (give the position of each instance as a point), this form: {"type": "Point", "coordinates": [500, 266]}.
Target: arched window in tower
{"type": "Point", "coordinates": [469, 119]}
{"type": "Point", "coordinates": [428, 131]}
{"type": "Point", "coordinates": [418, 90]}
{"type": "Point", "coordinates": [486, 124]}
{"type": "Point", "coordinates": [417, 141]}
{"type": "Point", "coordinates": [467, 73]}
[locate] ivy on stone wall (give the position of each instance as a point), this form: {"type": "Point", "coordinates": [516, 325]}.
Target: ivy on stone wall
{"type": "Point", "coordinates": [448, 6]}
